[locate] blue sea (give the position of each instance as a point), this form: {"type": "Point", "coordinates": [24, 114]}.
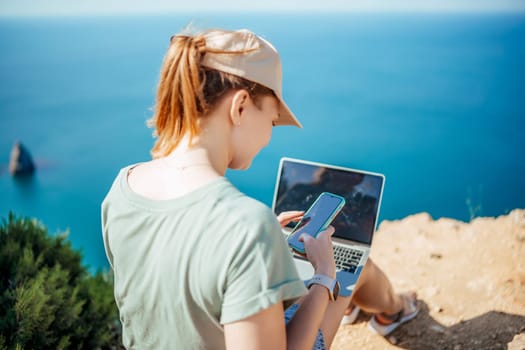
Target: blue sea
{"type": "Point", "coordinates": [435, 102]}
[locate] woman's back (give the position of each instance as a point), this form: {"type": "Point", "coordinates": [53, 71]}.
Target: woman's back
{"type": "Point", "coordinates": [198, 264]}
{"type": "Point", "coordinates": [187, 265]}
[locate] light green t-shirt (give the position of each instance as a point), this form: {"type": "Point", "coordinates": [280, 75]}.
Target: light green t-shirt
{"type": "Point", "coordinates": [184, 267]}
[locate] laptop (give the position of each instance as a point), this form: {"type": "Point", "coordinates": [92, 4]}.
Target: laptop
{"type": "Point", "coordinates": [300, 182]}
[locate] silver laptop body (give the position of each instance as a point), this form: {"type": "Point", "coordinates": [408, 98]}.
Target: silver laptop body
{"type": "Point", "coordinates": [299, 182]}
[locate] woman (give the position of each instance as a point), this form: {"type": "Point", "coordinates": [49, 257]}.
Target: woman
{"type": "Point", "coordinates": [197, 264]}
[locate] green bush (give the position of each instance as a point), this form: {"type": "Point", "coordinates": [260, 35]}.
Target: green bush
{"type": "Point", "coordinates": [48, 299]}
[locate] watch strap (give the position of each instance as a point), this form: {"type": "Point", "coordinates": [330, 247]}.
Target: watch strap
{"type": "Point", "coordinates": [326, 281]}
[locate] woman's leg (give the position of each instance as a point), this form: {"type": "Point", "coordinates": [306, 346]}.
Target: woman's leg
{"type": "Point", "coordinates": [374, 292]}
{"type": "Point", "coordinates": [332, 319]}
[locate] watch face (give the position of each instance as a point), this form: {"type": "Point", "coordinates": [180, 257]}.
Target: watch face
{"type": "Point", "coordinates": [336, 289]}
{"type": "Point", "coordinates": [331, 284]}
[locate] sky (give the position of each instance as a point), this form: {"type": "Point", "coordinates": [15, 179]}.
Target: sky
{"type": "Point", "coordinates": [122, 7]}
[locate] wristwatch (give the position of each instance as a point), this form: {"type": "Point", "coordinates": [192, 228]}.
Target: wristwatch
{"type": "Point", "coordinates": [331, 284]}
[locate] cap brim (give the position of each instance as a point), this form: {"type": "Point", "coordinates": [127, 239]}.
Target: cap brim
{"type": "Point", "coordinates": [286, 117]}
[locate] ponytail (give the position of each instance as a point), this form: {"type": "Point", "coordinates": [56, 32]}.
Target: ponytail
{"type": "Point", "coordinates": [179, 94]}
{"type": "Point", "coordinates": [187, 91]}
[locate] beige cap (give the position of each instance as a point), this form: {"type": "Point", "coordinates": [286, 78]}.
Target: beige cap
{"type": "Point", "coordinates": [260, 64]}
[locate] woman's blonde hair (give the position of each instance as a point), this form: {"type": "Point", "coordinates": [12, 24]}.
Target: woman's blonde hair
{"type": "Point", "coordinates": [187, 91]}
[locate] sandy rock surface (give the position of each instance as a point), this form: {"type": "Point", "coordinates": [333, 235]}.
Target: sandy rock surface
{"type": "Point", "coordinates": [470, 280]}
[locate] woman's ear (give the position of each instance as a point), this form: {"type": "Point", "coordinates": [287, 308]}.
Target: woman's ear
{"type": "Point", "coordinates": [238, 106]}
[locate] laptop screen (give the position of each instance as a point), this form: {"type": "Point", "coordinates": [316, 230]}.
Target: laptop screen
{"type": "Point", "coordinates": [299, 183]}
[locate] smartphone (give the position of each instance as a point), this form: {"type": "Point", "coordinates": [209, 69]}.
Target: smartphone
{"type": "Point", "coordinates": [317, 218]}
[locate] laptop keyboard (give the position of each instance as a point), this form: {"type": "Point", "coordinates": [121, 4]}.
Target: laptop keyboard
{"type": "Point", "coordinates": [347, 259]}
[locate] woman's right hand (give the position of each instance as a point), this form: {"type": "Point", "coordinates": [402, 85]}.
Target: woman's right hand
{"type": "Point", "coordinates": [289, 216]}
{"type": "Point", "coordinates": [319, 251]}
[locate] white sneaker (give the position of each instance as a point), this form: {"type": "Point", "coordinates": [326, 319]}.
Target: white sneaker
{"type": "Point", "coordinates": [349, 319]}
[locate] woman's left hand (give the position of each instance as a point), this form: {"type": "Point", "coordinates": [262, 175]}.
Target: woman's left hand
{"type": "Point", "coordinates": [288, 216]}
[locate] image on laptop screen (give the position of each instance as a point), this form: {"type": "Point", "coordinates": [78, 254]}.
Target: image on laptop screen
{"type": "Point", "coordinates": [299, 184]}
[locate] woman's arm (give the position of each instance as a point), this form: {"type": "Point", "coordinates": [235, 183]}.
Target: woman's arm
{"type": "Point", "coordinates": [302, 328]}
{"type": "Point", "coordinates": [266, 329]}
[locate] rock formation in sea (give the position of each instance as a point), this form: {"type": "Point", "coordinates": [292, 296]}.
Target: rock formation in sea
{"type": "Point", "coordinates": [21, 161]}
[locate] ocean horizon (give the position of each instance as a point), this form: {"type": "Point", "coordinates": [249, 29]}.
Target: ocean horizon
{"type": "Point", "coordinates": [432, 101]}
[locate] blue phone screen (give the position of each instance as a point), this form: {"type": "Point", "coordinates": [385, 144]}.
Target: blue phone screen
{"type": "Point", "coordinates": [320, 214]}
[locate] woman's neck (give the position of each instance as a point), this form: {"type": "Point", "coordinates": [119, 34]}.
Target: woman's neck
{"type": "Point", "coordinates": [211, 145]}
{"type": "Point", "coordinates": [198, 155]}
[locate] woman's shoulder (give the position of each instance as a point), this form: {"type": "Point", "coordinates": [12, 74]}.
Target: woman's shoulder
{"type": "Point", "coordinates": [241, 203]}
{"type": "Point", "coordinates": [118, 178]}
{"type": "Point", "coordinates": [247, 214]}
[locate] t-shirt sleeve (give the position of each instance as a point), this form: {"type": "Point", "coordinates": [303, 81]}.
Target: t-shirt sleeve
{"type": "Point", "coordinates": [104, 215]}
{"type": "Point", "coordinates": [261, 271]}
